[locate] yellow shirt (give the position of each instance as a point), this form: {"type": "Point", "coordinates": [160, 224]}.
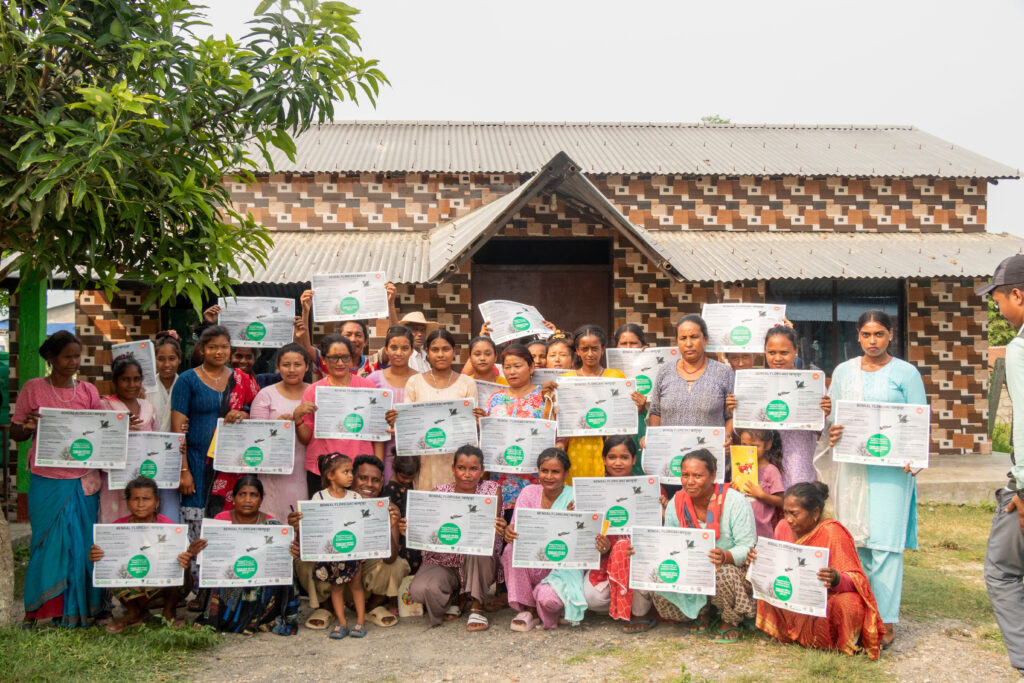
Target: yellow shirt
{"type": "Point", "coordinates": [585, 451]}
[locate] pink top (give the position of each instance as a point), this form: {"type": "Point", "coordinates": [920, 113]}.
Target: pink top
{"type": "Point", "coordinates": [39, 393]}
{"type": "Point", "coordinates": [269, 404]}
{"type": "Point", "coordinates": [765, 515]}
{"type": "Point", "coordinates": [317, 447]}
{"type": "Point", "coordinates": [147, 413]}
{"type": "Point", "coordinates": [226, 516]}
{"type": "Point", "coordinates": [160, 519]}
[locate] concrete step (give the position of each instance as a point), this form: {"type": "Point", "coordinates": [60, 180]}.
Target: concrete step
{"type": "Point", "coordinates": [963, 479]}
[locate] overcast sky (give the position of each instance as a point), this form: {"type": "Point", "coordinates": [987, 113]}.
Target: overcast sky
{"type": "Point", "coordinates": [950, 68]}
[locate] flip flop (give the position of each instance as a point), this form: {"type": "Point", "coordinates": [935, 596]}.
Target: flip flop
{"type": "Point", "coordinates": [338, 632]}
{"type": "Point", "coordinates": [452, 613]}
{"type": "Point", "coordinates": [380, 616]}
{"type": "Point", "coordinates": [647, 625]}
{"type": "Point", "coordinates": [724, 639]}
{"type": "Point", "coordinates": [478, 620]}
{"type": "Point", "coordinates": [320, 615]}
{"type": "Point", "coordinates": [358, 631]}
{"type": "Point", "coordinates": [523, 622]}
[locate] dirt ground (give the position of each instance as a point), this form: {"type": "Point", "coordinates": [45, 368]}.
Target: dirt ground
{"type": "Point", "coordinates": [596, 650]}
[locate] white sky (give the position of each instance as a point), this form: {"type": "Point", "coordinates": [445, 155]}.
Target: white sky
{"type": "Point", "coordinates": [947, 67]}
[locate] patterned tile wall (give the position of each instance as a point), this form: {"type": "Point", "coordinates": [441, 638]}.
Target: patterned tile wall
{"type": "Point", "coordinates": [419, 201]}
{"type": "Point", "coordinates": [100, 323]}
{"type": "Point", "coordinates": [947, 328]}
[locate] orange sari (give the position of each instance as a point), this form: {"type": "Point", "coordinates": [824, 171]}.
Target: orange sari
{"type": "Point", "coordinates": [853, 622]}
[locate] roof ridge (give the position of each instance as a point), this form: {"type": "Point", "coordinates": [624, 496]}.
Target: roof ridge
{"type": "Point", "coordinates": [621, 124]}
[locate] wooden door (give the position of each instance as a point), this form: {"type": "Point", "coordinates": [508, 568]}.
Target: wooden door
{"type": "Point", "coordinates": [568, 296]}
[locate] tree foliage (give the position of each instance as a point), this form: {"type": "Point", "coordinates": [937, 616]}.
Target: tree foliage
{"type": "Point", "coordinates": [1000, 331]}
{"type": "Point", "coordinates": [714, 118]}
{"type": "Point", "coordinates": [119, 124]}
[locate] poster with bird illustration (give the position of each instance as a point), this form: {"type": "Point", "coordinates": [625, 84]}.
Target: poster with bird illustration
{"type": "Point", "coordinates": [512, 444]}
{"type": "Point", "coordinates": [457, 523]}
{"type": "Point", "coordinates": [353, 413]}
{"type": "Point", "coordinates": [779, 399]}
{"type": "Point", "coordinates": [143, 352]}
{"type": "Point", "coordinates": [342, 530]}
{"type": "Point", "coordinates": [153, 455]}
{"type": "Point", "coordinates": [556, 539]}
{"type": "Point", "coordinates": [254, 447]}
{"type": "Point", "coordinates": [665, 448]}
{"type": "Point", "coordinates": [349, 296]}
{"type": "Point", "coordinates": [245, 555]}
{"type": "Point", "coordinates": [785, 575]}
{"type": "Point", "coordinates": [596, 407]}
{"type": "Point", "coordinates": [642, 365]}
{"type": "Point", "coordinates": [512, 320]}
{"type": "Point", "coordinates": [434, 426]}
{"type": "Point", "coordinates": [891, 434]}
{"type": "Point", "coordinates": [95, 439]}
{"type": "Point", "coordinates": [740, 328]}
{"type": "Point", "coordinates": [258, 322]}
{"type": "Point", "coordinates": [139, 555]}
{"type": "Point", "coordinates": [624, 501]}
{"type": "Point", "coordinates": [672, 560]}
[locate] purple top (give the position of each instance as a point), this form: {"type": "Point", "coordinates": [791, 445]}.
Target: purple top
{"type": "Point", "coordinates": [765, 515]}
{"type": "Point", "coordinates": [798, 456]}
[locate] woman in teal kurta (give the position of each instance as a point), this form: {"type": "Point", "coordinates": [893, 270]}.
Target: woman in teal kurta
{"type": "Point", "coordinates": [892, 492]}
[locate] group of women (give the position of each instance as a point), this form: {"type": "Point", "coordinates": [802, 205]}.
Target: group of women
{"type": "Point", "coordinates": [864, 576]}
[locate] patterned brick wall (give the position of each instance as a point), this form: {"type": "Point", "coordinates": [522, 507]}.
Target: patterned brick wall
{"type": "Point", "coordinates": [100, 323]}
{"type": "Point", "coordinates": [947, 339]}
{"type": "Point", "coordinates": [419, 201]}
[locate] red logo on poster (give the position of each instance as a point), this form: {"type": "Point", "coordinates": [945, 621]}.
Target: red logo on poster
{"type": "Point", "coordinates": [651, 480]}
{"type": "Point", "coordinates": [487, 501]}
{"type": "Point", "coordinates": [120, 416]}
{"type": "Point", "coordinates": [380, 503]}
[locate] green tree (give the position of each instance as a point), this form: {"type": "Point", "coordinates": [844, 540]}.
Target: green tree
{"type": "Point", "coordinates": [714, 118]}
{"type": "Point", "coordinates": [119, 124]}
{"type": "Point", "coordinates": [1000, 331]}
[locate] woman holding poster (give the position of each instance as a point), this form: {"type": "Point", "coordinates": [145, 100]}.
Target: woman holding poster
{"type": "Point", "coordinates": [400, 345]}
{"type": "Point", "coordinates": [853, 622]}
{"type": "Point", "coordinates": [62, 501]}
{"type": "Point", "coordinates": [890, 520]}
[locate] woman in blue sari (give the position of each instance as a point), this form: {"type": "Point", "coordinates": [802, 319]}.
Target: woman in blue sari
{"type": "Point", "coordinates": [62, 501]}
{"type": "Point", "coordinates": [888, 525]}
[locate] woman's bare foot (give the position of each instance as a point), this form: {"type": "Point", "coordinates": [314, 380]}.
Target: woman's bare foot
{"type": "Point", "coordinates": [889, 637]}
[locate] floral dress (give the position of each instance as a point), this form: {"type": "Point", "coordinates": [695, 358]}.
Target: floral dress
{"type": "Point", "coordinates": [531, 406]}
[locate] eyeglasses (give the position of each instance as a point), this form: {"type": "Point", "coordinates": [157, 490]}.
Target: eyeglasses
{"type": "Point", "coordinates": [337, 359]}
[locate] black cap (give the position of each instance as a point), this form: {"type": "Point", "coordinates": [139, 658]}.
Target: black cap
{"type": "Point", "coordinates": [1009, 272]}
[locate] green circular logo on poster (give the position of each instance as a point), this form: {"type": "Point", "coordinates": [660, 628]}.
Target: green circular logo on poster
{"type": "Point", "coordinates": [617, 515]}
{"type": "Point", "coordinates": [81, 449]}
{"type": "Point", "coordinates": [138, 566]}
{"type": "Point", "coordinates": [449, 533]}
{"type": "Point", "coordinates": [255, 331]}
{"type": "Point", "coordinates": [253, 456]}
{"type": "Point", "coordinates": [344, 541]}
{"type": "Point", "coordinates": [513, 455]}
{"type": "Point", "coordinates": [245, 567]}
{"type": "Point", "coordinates": [520, 324]}
{"type": "Point", "coordinates": [644, 384]}
{"type": "Point", "coordinates": [556, 551]}
{"type": "Point", "coordinates": [596, 418]}
{"type": "Point", "coordinates": [879, 445]}
{"type": "Point", "coordinates": [668, 571]}
{"type": "Point", "coordinates": [777, 410]}
{"type": "Point", "coordinates": [675, 467]}
{"type": "Point", "coordinates": [349, 305]}
{"type": "Point", "coordinates": [435, 437]}
{"type": "Point", "coordinates": [740, 335]}
{"type": "Point", "coordinates": [783, 588]}
{"type": "Point", "coordinates": [353, 423]}
{"type": "Point", "coordinates": [147, 469]}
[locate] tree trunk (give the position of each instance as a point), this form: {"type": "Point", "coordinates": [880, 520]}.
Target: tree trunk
{"type": "Point", "coordinates": [6, 574]}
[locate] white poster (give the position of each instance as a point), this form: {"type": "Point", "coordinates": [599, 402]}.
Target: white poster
{"type": "Point", "coordinates": [484, 391]}
{"type": "Point", "coordinates": [342, 530]}
{"type": "Point", "coordinates": [97, 439]}
{"type": "Point", "coordinates": [356, 414]}
{"type": "Point", "coordinates": [740, 328]}
{"type": "Point", "coordinates": [349, 296]}
{"type": "Point", "coordinates": [624, 501]}
{"type": "Point", "coordinates": [254, 446]}
{"type": "Point", "coordinates": [154, 455]}
{"type": "Point", "coordinates": [512, 320]}
{"type": "Point", "coordinates": [664, 448]}
{"type": "Point", "coordinates": [512, 444]}
{"type": "Point", "coordinates": [785, 575]}
{"type": "Point", "coordinates": [556, 539]}
{"type": "Point", "coordinates": [434, 426]}
{"type": "Point", "coordinates": [144, 352]}
{"type": "Point", "coordinates": [245, 555]}
{"type": "Point", "coordinates": [672, 560]}
{"type": "Point", "coordinates": [459, 523]}
{"type": "Point", "coordinates": [892, 434]}
{"type": "Point", "coordinates": [139, 555]}
{"type": "Point", "coordinates": [541, 375]}
{"type": "Point", "coordinates": [596, 407]}
{"type": "Point", "coordinates": [258, 322]}
{"type": "Point", "coordinates": [779, 399]}
{"type": "Point", "coordinates": [642, 365]}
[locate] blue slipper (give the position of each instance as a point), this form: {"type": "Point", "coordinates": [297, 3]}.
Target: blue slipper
{"type": "Point", "coordinates": [358, 631]}
{"type": "Point", "coordinates": [338, 632]}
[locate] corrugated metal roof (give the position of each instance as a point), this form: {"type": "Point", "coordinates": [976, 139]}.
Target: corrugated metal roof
{"type": "Point", "coordinates": [647, 148]}
{"type": "Point", "coordinates": [295, 256]}
{"type": "Point", "coordinates": [732, 256]}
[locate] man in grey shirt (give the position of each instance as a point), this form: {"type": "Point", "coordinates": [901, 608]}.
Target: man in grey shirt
{"type": "Point", "coordinates": [1004, 556]}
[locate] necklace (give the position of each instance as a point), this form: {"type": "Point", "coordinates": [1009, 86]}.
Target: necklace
{"type": "Point", "coordinates": [682, 367]}
{"type": "Point", "coordinates": [451, 380]}
{"type": "Point", "coordinates": [53, 389]}
{"type": "Point", "coordinates": [210, 379]}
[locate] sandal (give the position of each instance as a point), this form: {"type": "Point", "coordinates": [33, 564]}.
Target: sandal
{"type": "Point", "coordinates": [380, 616]}
{"type": "Point", "coordinates": [639, 625]}
{"type": "Point", "coordinates": [358, 631]}
{"type": "Point", "coordinates": [724, 639]}
{"type": "Point", "coordinates": [523, 622]}
{"type": "Point", "coordinates": [477, 621]}
{"type": "Point", "coordinates": [452, 613]}
{"type": "Point", "coordinates": [319, 615]}
{"type": "Point", "coordinates": [338, 632]}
